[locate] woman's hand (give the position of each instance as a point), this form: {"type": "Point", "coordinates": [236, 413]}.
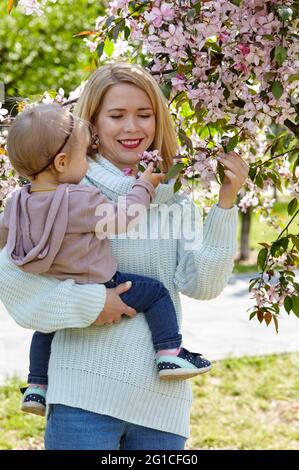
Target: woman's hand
{"type": "Point", "coordinates": [114, 307]}
{"type": "Point", "coordinates": [154, 178]}
{"type": "Point", "coordinates": [236, 172]}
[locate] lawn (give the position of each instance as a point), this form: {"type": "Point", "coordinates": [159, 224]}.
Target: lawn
{"type": "Point", "coordinates": [260, 232]}
{"type": "Point", "coordinates": [247, 403]}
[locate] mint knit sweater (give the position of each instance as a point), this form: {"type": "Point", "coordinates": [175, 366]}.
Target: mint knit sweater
{"type": "Point", "coordinates": [111, 369]}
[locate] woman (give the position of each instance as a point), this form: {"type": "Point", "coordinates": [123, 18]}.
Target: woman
{"type": "Point", "coordinates": [104, 392]}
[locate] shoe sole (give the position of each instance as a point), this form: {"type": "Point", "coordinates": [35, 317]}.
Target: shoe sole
{"type": "Point", "coordinates": [35, 409]}
{"type": "Point", "coordinates": [182, 374]}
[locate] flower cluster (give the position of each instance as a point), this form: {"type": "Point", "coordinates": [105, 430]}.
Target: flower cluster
{"type": "Point", "coordinates": [237, 61]}
{"type": "Point", "coordinates": [150, 156]}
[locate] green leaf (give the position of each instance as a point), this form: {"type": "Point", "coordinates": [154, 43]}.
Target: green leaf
{"type": "Point", "coordinates": [274, 248]}
{"type": "Point", "coordinates": [127, 32]}
{"type": "Point", "coordinates": [109, 21]}
{"type": "Point", "coordinates": [292, 206]}
{"type": "Point", "coordinates": [284, 242]}
{"type": "Point", "coordinates": [174, 170]}
{"type": "Point", "coordinates": [288, 304]}
{"type": "Point", "coordinates": [108, 47]}
{"type": "Point", "coordinates": [269, 75]}
{"type": "Point", "coordinates": [252, 315]}
{"type": "Point", "coordinates": [191, 13]}
{"type": "Point", "coordinates": [177, 186]}
{"type": "Point", "coordinates": [294, 77]}
{"type": "Point", "coordinates": [252, 172]}
{"type": "Point", "coordinates": [295, 305]}
{"type": "Point", "coordinates": [166, 88]}
{"type": "Point", "coordinates": [226, 92]}
{"type": "Point", "coordinates": [185, 139]}
{"type": "Point", "coordinates": [100, 49]}
{"type": "Point", "coordinates": [116, 30]}
{"type": "Point", "coordinates": [232, 143]}
{"type": "Point", "coordinates": [295, 240]}
{"type": "Point", "coordinates": [280, 54]}
{"type": "Point", "coordinates": [220, 170]}
{"type": "Point", "coordinates": [277, 89]}
{"type": "Point", "coordinates": [262, 257]}
{"type": "Point", "coordinates": [259, 181]}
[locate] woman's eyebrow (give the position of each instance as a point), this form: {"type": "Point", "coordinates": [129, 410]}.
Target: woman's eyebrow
{"type": "Point", "coordinates": [124, 109]}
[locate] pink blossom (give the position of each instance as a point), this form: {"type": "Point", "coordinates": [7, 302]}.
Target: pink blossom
{"type": "Point", "coordinates": [244, 49]}
{"type": "Point", "coordinates": [174, 36]}
{"type": "Point", "coordinates": [157, 16]}
{"type": "Point", "coordinates": [178, 83]}
{"type": "Point", "coordinates": [242, 68]}
{"type": "Point", "coordinates": [223, 37]}
{"type": "Point", "coordinates": [150, 156]}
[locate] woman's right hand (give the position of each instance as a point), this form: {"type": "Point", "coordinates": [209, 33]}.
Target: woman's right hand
{"type": "Point", "coordinates": [154, 178]}
{"type": "Point", "coordinates": [114, 307]}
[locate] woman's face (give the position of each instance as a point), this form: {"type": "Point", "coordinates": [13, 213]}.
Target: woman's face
{"type": "Point", "coordinates": [126, 124]}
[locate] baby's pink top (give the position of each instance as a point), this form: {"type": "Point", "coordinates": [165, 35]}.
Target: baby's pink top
{"type": "Point", "coordinates": [63, 233]}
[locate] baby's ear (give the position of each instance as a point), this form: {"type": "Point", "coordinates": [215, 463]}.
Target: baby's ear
{"type": "Point", "coordinates": [60, 162]}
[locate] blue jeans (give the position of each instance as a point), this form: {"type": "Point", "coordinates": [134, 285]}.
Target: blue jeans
{"type": "Point", "coordinates": [146, 295]}
{"type": "Point", "coordinates": [76, 429]}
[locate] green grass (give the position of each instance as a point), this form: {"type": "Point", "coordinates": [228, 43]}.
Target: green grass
{"type": "Point", "coordinates": [260, 232]}
{"type": "Point", "coordinates": [247, 403]}
{"type": "Point", "coordinates": [18, 430]}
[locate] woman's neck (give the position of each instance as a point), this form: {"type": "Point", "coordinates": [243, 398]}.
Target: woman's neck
{"type": "Point", "coordinates": [124, 167]}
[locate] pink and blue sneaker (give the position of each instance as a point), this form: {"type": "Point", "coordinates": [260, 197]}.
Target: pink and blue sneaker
{"type": "Point", "coordinates": [182, 366]}
{"type": "Point", "coordinates": [34, 400]}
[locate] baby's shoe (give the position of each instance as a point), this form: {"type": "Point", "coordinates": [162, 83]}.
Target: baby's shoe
{"type": "Point", "coordinates": [183, 366]}
{"type": "Point", "coordinates": [34, 399]}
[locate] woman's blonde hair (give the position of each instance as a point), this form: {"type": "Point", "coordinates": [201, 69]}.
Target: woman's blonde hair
{"type": "Point", "coordinates": [90, 101]}
{"type": "Point", "coordinates": [38, 134]}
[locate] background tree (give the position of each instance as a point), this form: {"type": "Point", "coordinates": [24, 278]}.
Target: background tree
{"type": "Point", "coordinates": [39, 53]}
{"type": "Point", "coordinates": [230, 72]}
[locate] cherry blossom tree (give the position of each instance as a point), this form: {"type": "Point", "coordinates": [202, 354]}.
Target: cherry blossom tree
{"type": "Point", "coordinates": [230, 72]}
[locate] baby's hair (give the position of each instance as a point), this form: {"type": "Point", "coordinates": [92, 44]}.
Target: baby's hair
{"type": "Point", "coordinates": [38, 134]}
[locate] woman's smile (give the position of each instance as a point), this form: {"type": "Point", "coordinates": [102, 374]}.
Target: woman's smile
{"type": "Point", "coordinates": [130, 143]}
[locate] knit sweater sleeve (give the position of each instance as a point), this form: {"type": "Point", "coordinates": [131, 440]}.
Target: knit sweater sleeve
{"type": "Point", "coordinates": [47, 304]}
{"type": "Point", "coordinates": [205, 252]}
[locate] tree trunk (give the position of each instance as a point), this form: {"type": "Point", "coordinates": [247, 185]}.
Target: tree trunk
{"type": "Point", "coordinates": [245, 230]}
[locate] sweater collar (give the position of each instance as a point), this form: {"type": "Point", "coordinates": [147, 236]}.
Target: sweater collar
{"type": "Point", "coordinates": [118, 181]}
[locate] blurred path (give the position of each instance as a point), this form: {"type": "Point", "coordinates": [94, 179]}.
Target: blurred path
{"type": "Point", "coordinates": [217, 328]}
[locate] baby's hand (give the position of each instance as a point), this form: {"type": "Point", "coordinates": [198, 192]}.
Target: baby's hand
{"type": "Point", "coordinates": [154, 178]}
{"type": "Point", "coordinates": [157, 178]}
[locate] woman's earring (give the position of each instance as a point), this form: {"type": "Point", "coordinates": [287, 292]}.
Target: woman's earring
{"type": "Point", "coordinates": [95, 142]}
{"type": "Point", "coordinates": [94, 145]}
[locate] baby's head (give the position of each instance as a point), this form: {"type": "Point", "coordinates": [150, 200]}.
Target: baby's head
{"type": "Point", "coordinates": [47, 139]}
